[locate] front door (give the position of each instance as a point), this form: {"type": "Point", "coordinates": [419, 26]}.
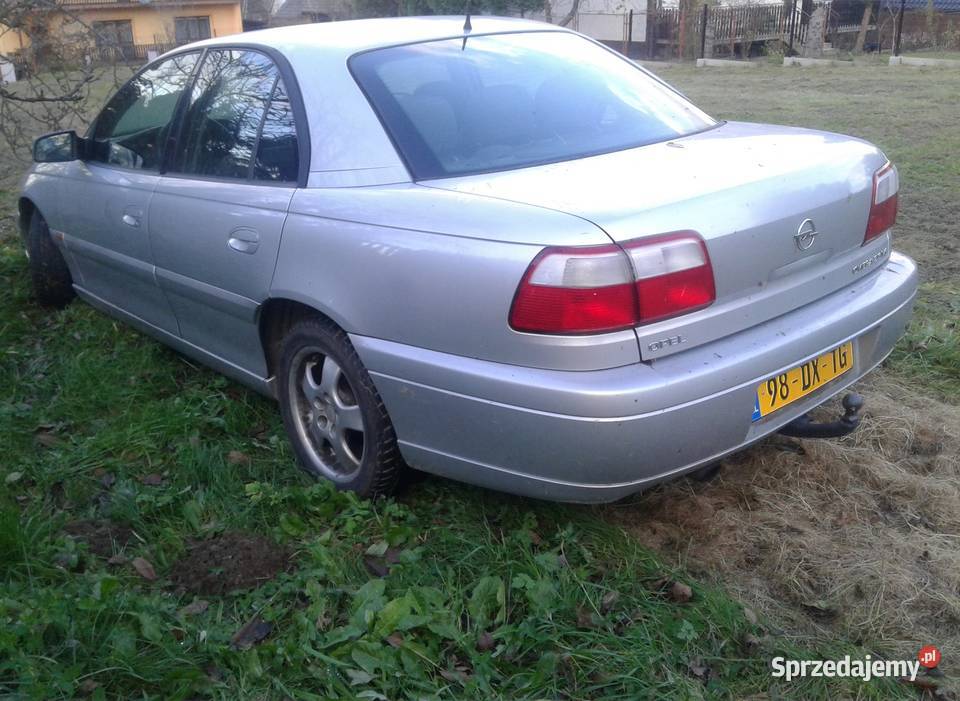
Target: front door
{"type": "Point", "coordinates": [217, 215]}
{"type": "Point", "coordinates": [105, 198]}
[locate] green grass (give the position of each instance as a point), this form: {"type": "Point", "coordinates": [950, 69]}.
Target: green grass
{"type": "Point", "coordinates": [574, 607]}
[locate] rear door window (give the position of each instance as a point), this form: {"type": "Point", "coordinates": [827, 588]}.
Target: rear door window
{"type": "Point", "coordinates": [222, 122]}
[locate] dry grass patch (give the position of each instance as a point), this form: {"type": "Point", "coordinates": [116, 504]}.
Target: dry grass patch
{"type": "Point", "coordinates": [858, 537]}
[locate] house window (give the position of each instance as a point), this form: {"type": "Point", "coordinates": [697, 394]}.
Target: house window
{"type": "Point", "coordinates": [313, 17]}
{"type": "Point", "coordinates": [114, 37]}
{"type": "Point", "coordinates": [191, 29]}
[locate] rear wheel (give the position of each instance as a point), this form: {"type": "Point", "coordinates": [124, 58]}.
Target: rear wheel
{"type": "Point", "coordinates": [52, 283]}
{"type": "Point", "coordinates": [334, 417]}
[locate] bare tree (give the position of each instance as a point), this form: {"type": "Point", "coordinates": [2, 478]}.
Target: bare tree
{"type": "Point", "coordinates": [64, 73]}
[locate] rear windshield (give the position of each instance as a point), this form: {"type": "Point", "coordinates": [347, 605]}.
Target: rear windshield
{"type": "Point", "coordinates": [512, 100]}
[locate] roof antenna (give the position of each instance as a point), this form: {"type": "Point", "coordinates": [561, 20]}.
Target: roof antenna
{"type": "Point", "coordinates": [467, 27]}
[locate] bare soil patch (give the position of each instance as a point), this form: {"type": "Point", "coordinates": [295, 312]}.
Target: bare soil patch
{"type": "Point", "coordinates": [103, 538]}
{"type": "Point", "coordinates": [230, 562]}
{"type": "Point", "coordinates": [857, 537]}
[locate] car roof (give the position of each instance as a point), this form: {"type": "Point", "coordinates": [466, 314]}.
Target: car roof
{"type": "Point", "coordinates": [348, 145]}
{"type": "Point", "coordinates": [349, 37]}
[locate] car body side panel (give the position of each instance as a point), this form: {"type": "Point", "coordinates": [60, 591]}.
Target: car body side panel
{"type": "Point", "coordinates": [104, 212]}
{"type": "Point", "coordinates": [215, 245]}
{"type": "Point", "coordinates": [345, 254]}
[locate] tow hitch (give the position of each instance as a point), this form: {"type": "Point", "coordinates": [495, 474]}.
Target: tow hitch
{"type": "Point", "coordinates": [805, 427]}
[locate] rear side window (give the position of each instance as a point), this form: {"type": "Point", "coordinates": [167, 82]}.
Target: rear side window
{"type": "Point", "coordinates": [487, 103]}
{"type": "Point", "coordinates": [278, 157]}
{"type": "Point", "coordinates": [132, 129]}
{"type": "Point", "coordinates": [238, 121]}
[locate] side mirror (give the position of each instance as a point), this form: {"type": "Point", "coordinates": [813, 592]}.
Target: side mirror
{"type": "Point", "coordinates": [58, 147]}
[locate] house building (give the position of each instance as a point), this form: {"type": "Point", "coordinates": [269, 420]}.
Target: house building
{"type": "Point", "coordinates": [130, 27]}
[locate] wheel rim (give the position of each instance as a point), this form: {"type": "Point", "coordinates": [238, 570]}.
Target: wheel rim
{"type": "Point", "coordinates": [327, 415]}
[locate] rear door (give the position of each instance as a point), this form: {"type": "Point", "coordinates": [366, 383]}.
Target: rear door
{"type": "Point", "coordinates": [105, 198]}
{"type": "Point", "coordinates": [218, 212]}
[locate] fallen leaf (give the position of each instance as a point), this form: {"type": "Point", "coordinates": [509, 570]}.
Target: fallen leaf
{"type": "Point", "coordinates": [144, 568]}
{"type": "Point", "coordinates": [88, 686]}
{"type": "Point", "coordinates": [13, 477]}
{"type": "Point", "coordinates": [178, 634]}
{"type": "Point", "coordinates": [395, 640]}
{"type": "Point", "coordinates": [255, 630]}
{"type": "Point", "coordinates": [118, 559]}
{"type": "Point", "coordinates": [609, 600]}
{"type": "Point", "coordinates": [680, 592]}
{"type": "Point", "coordinates": [376, 566]}
{"type": "Point", "coordinates": [485, 642]}
{"type": "Point", "coordinates": [921, 683]}
{"type": "Point", "coordinates": [751, 643]}
{"type": "Point", "coordinates": [453, 676]}
{"type": "Point", "coordinates": [750, 616]}
{"type": "Point", "coordinates": [152, 480]}
{"type": "Point", "coordinates": [585, 618]}
{"type": "Point", "coordinates": [698, 669]}
{"type": "Point", "coordinates": [195, 608]}
{"type": "Point", "coordinates": [235, 457]}
{"type": "Point", "coordinates": [821, 610]}
{"type": "Point", "coordinates": [47, 439]}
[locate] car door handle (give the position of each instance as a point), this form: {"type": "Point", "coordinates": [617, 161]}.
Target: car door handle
{"type": "Point", "coordinates": [244, 240]}
{"type": "Point", "coordinates": [131, 220]}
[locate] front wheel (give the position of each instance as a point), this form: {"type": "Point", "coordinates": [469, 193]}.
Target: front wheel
{"type": "Point", "coordinates": [52, 284]}
{"type": "Point", "coordinates": [333, 414]}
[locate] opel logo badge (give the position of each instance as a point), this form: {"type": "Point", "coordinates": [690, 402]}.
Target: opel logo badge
{"type": "Point", "coordinates": [806, 234]}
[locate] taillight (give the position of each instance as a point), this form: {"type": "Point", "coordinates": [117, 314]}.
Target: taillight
{"type": "Point", "coordinates": [598, 289]}
{"type": "Point", "coordinates": [883, 205]}
{"type": "Point", "coordinates": [673, 274]}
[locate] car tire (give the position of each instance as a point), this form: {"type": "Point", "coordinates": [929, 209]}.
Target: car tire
{"type": "Point", "coordinates": [334, 417]}
{"type": "Point", "coordinates": [52, 282]}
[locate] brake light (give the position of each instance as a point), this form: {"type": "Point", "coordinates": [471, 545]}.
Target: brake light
{"type": "Point", "coordinates": [883, 205]}
{"type": "Point", "coordinates": [599, 289]}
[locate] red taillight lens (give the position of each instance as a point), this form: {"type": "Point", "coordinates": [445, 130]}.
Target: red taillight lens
{"type": "Point", "coordinates": [674, 275]}
{"type": "Point", "coordinates": [608, 288]}
{"type": "Point", "coordinates": [883, 205]}
{"type": "Point", "coordinates": [576, 290]}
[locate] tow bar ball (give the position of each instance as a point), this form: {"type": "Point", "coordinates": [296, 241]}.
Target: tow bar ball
{"type": "Point", "coordinates": [805, 427]}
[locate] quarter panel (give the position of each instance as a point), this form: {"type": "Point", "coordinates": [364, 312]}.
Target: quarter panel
{"type": "Point", "coordinates": [422, 267]}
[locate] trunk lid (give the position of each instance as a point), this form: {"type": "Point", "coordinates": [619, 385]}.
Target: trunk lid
{"type": "Point", "coordinates": [748, 189]}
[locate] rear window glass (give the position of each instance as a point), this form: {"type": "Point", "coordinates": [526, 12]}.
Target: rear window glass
{"type": "Point", "coordinates": [506, 101]}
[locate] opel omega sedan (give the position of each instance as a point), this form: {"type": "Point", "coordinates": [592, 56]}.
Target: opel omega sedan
{"type": "Point", "coordinates": [491, 249]}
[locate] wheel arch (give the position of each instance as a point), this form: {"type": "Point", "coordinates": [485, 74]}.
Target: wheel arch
{"type": "Point", "coordinates": [25, 210]}
{"type": "Point", "coordinates": [276, 315]}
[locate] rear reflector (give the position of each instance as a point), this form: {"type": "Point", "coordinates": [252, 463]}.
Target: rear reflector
{"type": "Point", "coordinates": [883, 206]}
{"type": "Point", "coordinates": [599, 289]}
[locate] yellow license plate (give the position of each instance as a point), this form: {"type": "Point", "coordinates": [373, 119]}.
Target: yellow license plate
{"type": "Point", "coordinates": [787, 387]}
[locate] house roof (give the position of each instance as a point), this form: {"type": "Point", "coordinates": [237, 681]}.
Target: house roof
{"type": "Point", "coordinates": [295, 9]}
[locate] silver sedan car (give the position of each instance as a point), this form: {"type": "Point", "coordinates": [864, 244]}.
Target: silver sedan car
{"type": "Point", "coordinates": [493, 250]}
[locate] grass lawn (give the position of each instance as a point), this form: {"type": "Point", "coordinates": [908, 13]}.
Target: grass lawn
{"type": "Point", "coordinates": [156, 540]}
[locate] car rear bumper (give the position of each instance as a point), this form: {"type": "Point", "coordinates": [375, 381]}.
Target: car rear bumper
{"type": "Point", "coordinates": [600, 435]}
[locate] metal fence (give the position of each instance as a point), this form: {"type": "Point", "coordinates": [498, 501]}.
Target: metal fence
{"type": "Point", "coordinates": [815, 28]}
